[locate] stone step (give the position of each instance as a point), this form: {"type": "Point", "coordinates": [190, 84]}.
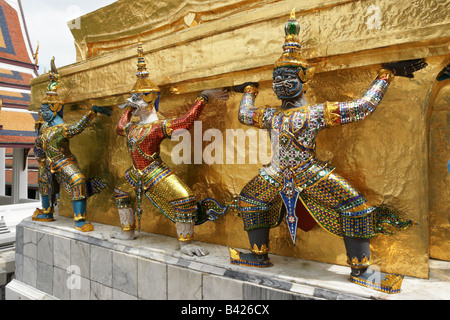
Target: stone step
{"type": "Point", "coordinates": [66, 264]}
{"type": "Point", "coordinates": [3, 227]}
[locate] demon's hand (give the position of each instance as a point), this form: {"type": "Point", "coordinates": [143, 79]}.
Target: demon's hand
{"type": "Point", "coordinates": [218, 94]}
{"type": "Point", "coordinates": [241, 87]}
{"type": "Point", "coordinates": [101, 110]}
{"type": "Point", "coordinates": [406, 68]}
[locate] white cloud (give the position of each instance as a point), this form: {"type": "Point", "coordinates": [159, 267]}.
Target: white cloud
{"type": "Point", "coordinates": [47, 23]}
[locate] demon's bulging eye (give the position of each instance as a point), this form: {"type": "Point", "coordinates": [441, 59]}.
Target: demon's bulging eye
{"type": "Point", "coordinates": [135, 97]}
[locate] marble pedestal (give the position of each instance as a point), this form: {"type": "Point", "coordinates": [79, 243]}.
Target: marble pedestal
{"type": "Point", "coordinates": [54, 261]}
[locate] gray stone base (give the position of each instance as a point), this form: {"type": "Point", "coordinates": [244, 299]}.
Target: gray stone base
{"type": "Point", "coordinates": [7, 266]}
{"type": "Point", "coordinates": [54, 261]}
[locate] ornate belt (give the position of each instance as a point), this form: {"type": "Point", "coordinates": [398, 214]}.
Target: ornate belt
{"type": "Point", "coordinates": [303, 175]}
{"type": "Point", "coordinates": [157, 161]}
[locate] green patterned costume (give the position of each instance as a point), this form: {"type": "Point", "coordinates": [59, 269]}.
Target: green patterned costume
{"type": "Point", "coordinates": [63, 163]}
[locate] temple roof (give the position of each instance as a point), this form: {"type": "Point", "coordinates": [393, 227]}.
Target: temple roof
{"type": "Point", "coordinates": [14, 41]}
{"type": "Point", "coordinates": [14, 99]}
{"type": "Point", "coordinates": [14, 79]}
{"type": "Point", "coordinates": [17, 128]}
{"type": "Point", "coordinates": [16, 72]}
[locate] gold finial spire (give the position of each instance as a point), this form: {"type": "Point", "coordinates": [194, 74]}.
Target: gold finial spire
{"type": "Point", "coordinates": [52, 93]}
{"type": "Point", "coordinates": [36, 55]}
{"type": "Point", "coordinates": [143, 84]}
{"type": "Point", "coordinates": [291, 49]}
{"type": "Point", "coordinates": [140, 49]}
{"type": "Point", "coordinates": [142, 66]}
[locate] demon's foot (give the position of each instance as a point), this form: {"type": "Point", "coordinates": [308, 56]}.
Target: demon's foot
{"type": "Point", "coordinates": [43, 215]}
{"type": "Point", "coordinates": [124, 235]}
{"type": "Point", "coordinates": [249, 259]}
{"type": "Point", "coordinates": [193, 249]}
{"type": "Point", "coordinates": [386, 283]}
{"type": "Point", "coordinates": [84, 226]}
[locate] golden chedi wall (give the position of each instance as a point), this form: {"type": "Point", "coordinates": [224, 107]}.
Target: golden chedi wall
{"type": "Point", "coordinates": [394, 157]}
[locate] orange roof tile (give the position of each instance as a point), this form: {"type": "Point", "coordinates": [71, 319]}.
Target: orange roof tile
{"type": "Point", "coordinates": [12, 42]}
{"type": "Point", "coordinates": [17, 129]}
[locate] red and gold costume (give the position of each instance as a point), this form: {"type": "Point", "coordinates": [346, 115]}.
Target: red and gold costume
{"type": "Point", "coordinates": [149, 175]}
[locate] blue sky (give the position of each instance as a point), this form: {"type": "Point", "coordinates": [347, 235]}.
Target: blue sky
{"type": "Point", "coordinates": [47, 23]}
